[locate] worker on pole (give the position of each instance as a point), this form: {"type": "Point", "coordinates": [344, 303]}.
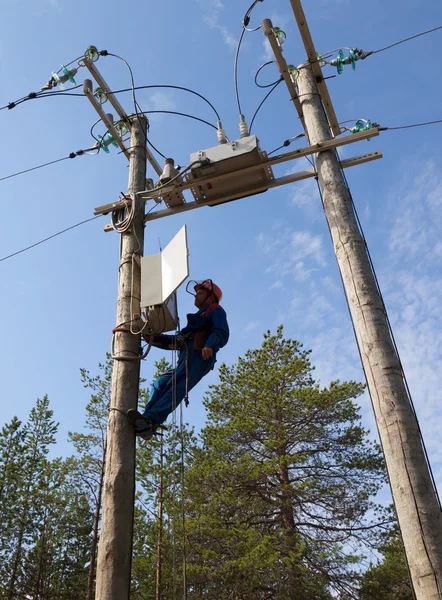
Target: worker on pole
{"type": "Point", "coordinates": [198, 343]}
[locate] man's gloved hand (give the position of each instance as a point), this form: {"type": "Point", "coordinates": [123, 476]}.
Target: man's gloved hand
{"type": "Point", "coordinates": [207, 353]}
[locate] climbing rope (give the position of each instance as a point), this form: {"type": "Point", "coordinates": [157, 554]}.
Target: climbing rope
{"type": "Point", "coordinates": [182, 469]}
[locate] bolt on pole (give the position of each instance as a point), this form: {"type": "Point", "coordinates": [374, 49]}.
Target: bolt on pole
{"type": "Point", "coordinates": [416, 502]}
{"type": "Point", "coordinates": [115, 547]}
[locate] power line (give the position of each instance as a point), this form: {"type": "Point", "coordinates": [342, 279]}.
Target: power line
{"type": "Point", "coordinates": [174, 87]}
{"type": "Point", "coordinates": [245, 22]}
{"type": "Point", "coordinates": [410, 126]}
{"type": "Point", "coordinates": [259, 71]}
{"type": "Point", "coordinates": [413, 37]}
{"type": "Point", "coordinates": [48, 238]}
{"type": "Point", "coordinates": [52, 162]}
{"type": "Point", "coordinates": [35, 95]}
{"type": "Point", "coordinates": [174, 112]}
{"type": "Point", "coordinates": [262, 102]}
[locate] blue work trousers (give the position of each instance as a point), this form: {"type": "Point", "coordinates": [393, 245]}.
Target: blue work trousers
{"type": "Point", "coordinates": [166, 394]}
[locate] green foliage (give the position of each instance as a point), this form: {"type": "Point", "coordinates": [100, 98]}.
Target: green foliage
{"type": "Point", "coordinates": [282, 481]}
{"type": "Point", "coordinates": [158, 479]}
{"type": "Point", "coordinates": [389, 579]}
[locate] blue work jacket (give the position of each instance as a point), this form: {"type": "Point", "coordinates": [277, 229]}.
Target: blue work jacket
{"type": "Point", "coordinates": [210, 318]}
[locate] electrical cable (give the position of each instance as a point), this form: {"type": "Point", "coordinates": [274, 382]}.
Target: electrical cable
{"type": "Point", "coordinates": [245, 22]}
{"type": "Point", "coordinates": [136, 105]}
{"type": "Point", "coordinates": [174, 112]}
{"type": "Point", "coordinates": [262, 102]}
{"type": "Point", "coordinates": [92, 131]}
{"type": "Point", "coordinates": [235, 70]}
{"type": "Point", "coordinates": [407, 39]}
{"type": "Point", "coordinates": [122, 218]}
{"type": "Point", "coordinates": [48, 238]}
{"type": "Point", "coordinates": [156, 149]}
{"type": "Point", "coordinates": [53, 162]}
{"type": "Point", "coordinates": [43, 94]}
{"type": "Point", "coordinates": [174, 87]}
{"type": "Point", "coordinates": [259, 71]}
{"type": "Point", "coordinates": [410, 126]}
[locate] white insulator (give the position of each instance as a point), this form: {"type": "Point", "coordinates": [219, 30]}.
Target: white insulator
{"type": "Point", "coordinates": [243, 127]}
{"type": "Point", "coordinates": [169, 171]}
{"type": "Point", "coordinates": [222, 138]}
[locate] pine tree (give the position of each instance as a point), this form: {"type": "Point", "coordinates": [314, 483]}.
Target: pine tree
{"type": "Point", "coordinates": [389, 579]}
{"type": "Point", "coordinates": [282, 483]}
{"type": "Point", "coordinates": [91, 450]}
{"type": "Point", "coordinates": [12, 463]}
{"type": "Point", "coordinates": [38, 436]}
{"type": "Point", "coordinates": [157, 565]}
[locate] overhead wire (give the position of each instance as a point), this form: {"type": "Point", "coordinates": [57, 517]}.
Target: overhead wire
{"type": "Point", "coordinates": [262, 102]}
{"type": "Point", "coordinates": [245, 22]}
{"type": "Point", "coordinates": [41, 94]}
{"type": "Point", "coordinates": [412, 37]}
{"type": "Point", "coordinates": [174, 87]}
{"type": "Point", "coordinates": [235, 70]}
{"type": "Point", "coordinates": [259, 71]}
{"type": "Point", "coordinates": [174, 112]}
{"type": "Point", "coordinates": [48, 238]}
{"type": "Point", "coordinates": [136, 105]}
{"type": "Point", "coordinates": [52, 162]}
{"type": "Point", "coordinates": [410, 126]}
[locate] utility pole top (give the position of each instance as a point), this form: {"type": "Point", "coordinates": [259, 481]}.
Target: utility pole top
{"type": "Point", "coordinates": [315, 65]}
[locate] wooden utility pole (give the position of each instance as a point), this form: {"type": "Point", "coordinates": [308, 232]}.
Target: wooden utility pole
{"type": "Point", "coordinates": [415, 499]}
{"type": "Point", "coordinates": [115, 547]}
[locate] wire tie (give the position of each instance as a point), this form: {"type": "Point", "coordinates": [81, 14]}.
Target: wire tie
{"type": "Point", "coordinates": [72, 155]}
{"type": "Point", "coordinates": [11, 105]}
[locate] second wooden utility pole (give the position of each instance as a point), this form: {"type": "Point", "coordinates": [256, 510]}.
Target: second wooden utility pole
{"type": "Point", "coordinates": [415, 499]}
{"type": "Point", "coordinates": [115, 547]}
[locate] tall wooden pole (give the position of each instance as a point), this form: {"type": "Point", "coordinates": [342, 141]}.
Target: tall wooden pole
{"type": "Point", "coordinates": [115, 547]}
{"type": "Point", "coordinates": [416, 502]}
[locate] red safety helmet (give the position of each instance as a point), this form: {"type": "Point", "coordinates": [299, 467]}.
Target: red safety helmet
{"type": "Point", "coordinates": [212, 287]}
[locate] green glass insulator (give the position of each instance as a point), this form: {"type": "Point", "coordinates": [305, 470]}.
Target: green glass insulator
{"type": "Point", "coordinates": [352, 58]}
{"type": "Point", "coordinates": [102, 144]}
{"type": "Point", "coordinates": [68, 74]}
{"type": "Point", "coordinates": [109, 138]}
{"type": "Point", "coordinates": [361, 125]}
{"type": "Point", "coordinates": [340, 62]}
{"type": "Point", "coordinates": [92, 53]}
{"type": "Point", "coordinates": [121, 127]}
{"type": "Point", "coordinates": [293, 72]}
{"type": "Point", "coordinates": [100, 95]}
{"type": "Point", "coordinates": [280, 35]}
{"type": "Point", "coordinates": [57, 81]}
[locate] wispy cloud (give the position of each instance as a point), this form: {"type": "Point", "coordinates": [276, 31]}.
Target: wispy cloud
{"type": "Point", "coordinates": [212, 12]}
{"type": "Point", "coordinates": [251, 326]}
{"type": "Point", "coordinates": [159, 101]}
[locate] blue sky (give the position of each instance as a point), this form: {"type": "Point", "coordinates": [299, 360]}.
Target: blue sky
{"type": "Point", "coordinates": [271, 254]}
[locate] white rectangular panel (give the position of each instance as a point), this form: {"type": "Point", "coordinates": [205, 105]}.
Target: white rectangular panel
{"type": "Point", "coordinates": [175, 264]}
{"type": "Point", "coordinates": [151, 280]}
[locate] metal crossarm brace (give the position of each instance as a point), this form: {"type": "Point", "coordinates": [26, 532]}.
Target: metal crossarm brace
{"type": "Point", "coordinates": [349, 162]}
{"type": "Point", "coordinates": [281, 158]}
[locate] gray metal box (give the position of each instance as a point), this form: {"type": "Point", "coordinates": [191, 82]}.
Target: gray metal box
{"type": "Point", "coordinates": [162, 317]}
{"type": "Point", "coordinates": [225, 160]}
